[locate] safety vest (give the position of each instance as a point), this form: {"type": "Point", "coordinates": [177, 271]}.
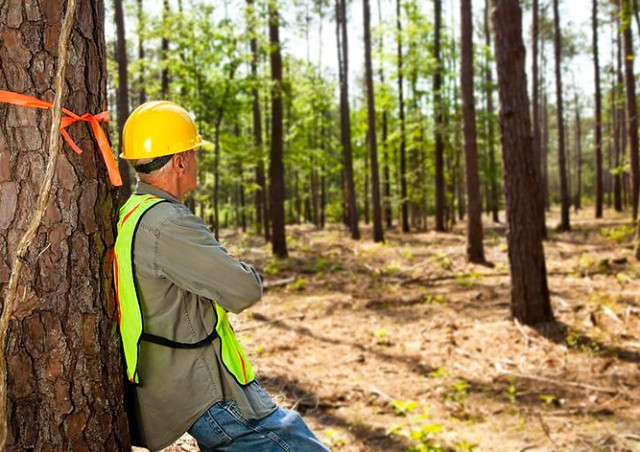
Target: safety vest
{"type": "Point", "coordinates": [130, 318]}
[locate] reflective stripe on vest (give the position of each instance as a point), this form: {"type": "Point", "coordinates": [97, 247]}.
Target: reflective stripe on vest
{"type": "Point", "coordinates": [129, 311]}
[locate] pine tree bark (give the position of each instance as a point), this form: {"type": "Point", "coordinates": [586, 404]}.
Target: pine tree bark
{"type": "Point", "coordinates": [562, 166]}
{"type": "Point", "coordinates": [262, 217]}
{"type": "Point", "coordinates": [123, 95]}
{"type": "Point", "coordinates": [598, 112]}
{"type": "Point", "coordinates": [378, 234]}
{"type": "Point", "coordinates": [64, 370]}
{"type": "Point", "coordinates": [494, 200]}
{"type": "Point", "coordinates": [529, 290]}
{"type": "Point", "coordinates": [578, 195]}
{"type": "Point", "coordinates": [535, 101]}
{"type": "Point", "coordinates": [475, 250]}
{"type": "Point", "coordinates": [345, 117]}
{"type": "Point", "coordinates": [276, 166]}
{"type": "Point", "coordinates": [141, 76]}
{"type": "Point", "coordinates": [632, 108]}
{"type": "Point", "coordinates": [404, 199]}
{"type": "Point", "coordinates": [439, 120]}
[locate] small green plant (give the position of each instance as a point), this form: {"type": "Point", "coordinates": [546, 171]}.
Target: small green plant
{"type": "Point", "coordinates": [392, 268]}
{"type": "Point", "coordinates": [458, 391]}
{"type": "Point", "coordinates": [435, 299]}
{"type": "Point", "coordinates": [467, 279]}
{"type": "Point", "coordinates": [585, 264]}
{"type": "Point", "coordinates": [549, 400]}
{"type": "Point", "coordinates": [273, 267]}
{"type": "Point", "coordinates": [381, 337]}
{"type": "Point", "coordinates": [335, 439]}
{"type": "Point", "coordinates": [298, 285]}
{"type": "Point", "coordinates": [621, 234]}
{"type": "Point", "coordinates": [465, 446]}
{"type": "Point", "coordinates": [408, 255]}
{"type": "Point", "coordinates": [512, 393]}
{"type": "Point", "coordinates": [443, 260]}
{"type": "Point", "coordinates": [403, 408]}
{"type": "Point", "coordinates": [439, 373]}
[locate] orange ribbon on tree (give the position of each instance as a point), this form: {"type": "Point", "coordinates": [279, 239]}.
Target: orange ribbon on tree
{"type": "Point", "coordinates": [8, 97]}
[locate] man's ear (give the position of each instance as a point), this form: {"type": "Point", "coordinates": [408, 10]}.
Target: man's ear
{"type": "Point", "coordinates": [178, 163]}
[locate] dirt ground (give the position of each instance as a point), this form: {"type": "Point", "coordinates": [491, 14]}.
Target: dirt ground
{"type": "Point", "coordinates": [407, 346]}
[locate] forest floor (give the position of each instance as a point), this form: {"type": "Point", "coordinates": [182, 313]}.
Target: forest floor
{"type": "Point", "coordinates": [406, 345]}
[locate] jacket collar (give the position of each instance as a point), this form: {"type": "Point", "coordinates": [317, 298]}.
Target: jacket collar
{"type": "Point", "coordinates": [143, 188]}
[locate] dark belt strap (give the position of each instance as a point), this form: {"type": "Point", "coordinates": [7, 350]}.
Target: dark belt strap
{"type": "Point", "coordinates": [173, 344]}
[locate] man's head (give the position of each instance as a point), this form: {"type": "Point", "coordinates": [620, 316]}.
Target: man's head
{"type": "Point", "coordinates": [159, 141]}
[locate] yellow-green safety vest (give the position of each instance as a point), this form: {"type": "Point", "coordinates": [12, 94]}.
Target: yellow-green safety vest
{"type": "Point", "coordinates": [130, 317]}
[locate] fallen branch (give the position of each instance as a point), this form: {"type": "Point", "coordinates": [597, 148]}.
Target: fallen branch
{"type": "Point", "coordinates": [43, 198]}
{"type": "Point", "coordinates": [282, 282]}
{"type": "Point", "coordinates": [572, 384]}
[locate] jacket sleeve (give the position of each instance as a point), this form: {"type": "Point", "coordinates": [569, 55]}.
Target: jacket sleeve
{"type": "Point", "coordinates": [188, 254]}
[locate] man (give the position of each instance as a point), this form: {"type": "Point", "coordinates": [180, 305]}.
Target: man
{"type": "Point", "coordinates": [174, 286]}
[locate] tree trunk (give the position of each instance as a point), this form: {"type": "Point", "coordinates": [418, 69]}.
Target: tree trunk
{"type": "Point", "coordinates": [493, 169]}
{"type": "Point", "coordinates": [632, 109]}
{"type": "Point", "coordinates": [616, 82]}
{"type": "Point", "coordinates": [141, 76]}
{"type": "Point", "coordinates": [123, 96]}
{"type": "Point", "coordinates": [164, 52]}
{"type": "Point", "coordinates": [345, 115]}
{"type": "Point", "coordinates": [378, 235]}
{"type": "Point", "coordinates": [403, 145]}
{"type": "Point", "coordinates": [535, 99]}
{"type": "Point", "coordinates": [439, 120]}
{"type": "Point", "coordinates": [276, 167]}
{"type": "Point", "coordinates": [529, 290]}
{"type": "Point", "coordinates": [578, 196]}
{"type": "Point", "coordinates": [562, 167]}
{"type": "Point", "coordinates": [475, 250]}
{"type": "Point", "coordinates": [598, 112]}
{"type": "Point", "coordinates": [388, 214]}
{"type": "Point", "coordinates": [262, 218]}
{"type": "Point", "coordinates": [64, 366]}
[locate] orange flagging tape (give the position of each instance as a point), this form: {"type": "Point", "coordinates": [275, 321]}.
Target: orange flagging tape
{"type": "Point", "coordinates": [8, 97]}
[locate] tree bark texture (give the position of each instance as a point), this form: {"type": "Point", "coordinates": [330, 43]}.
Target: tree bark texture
{"type": "Point", "coordinates": [475, 250]}
{"type": "Point", "coordinates": [439, 120]}
{"type": "Point", "coordinates": [562, 166]}
{"type": "Point", "coordinates": [598, 113]}
{"type": "Point", "coordinates": [404, 199]}
{"type": "Point", "coordinates": [123, 95]}
{"type": "Point", "coordinates": [378, 235]}
{"type": "Point", "coordinates": [535, 102]}
{"type": "Point", "coordinates": [345, 117]}
{"type": "Point", "coordinates": [529, 290]}
{"type": "Point", "coordinates": [141, 76]}
{"type": "Point", "coordinates": [164, 52]}
{"type": "Point", "coordinates": [632, 108]}
{"type": "Point", "coordinates": [276, 167]}
{"type": "Point", "coordinates": [494, 198]}
{"type": "Point", "coordinates": [65, 373]}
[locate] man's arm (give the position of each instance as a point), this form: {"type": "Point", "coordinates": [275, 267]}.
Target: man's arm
{"type": "Point", "coordinates": [188, 254]}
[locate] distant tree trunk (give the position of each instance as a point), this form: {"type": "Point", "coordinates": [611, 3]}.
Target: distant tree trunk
{"type": "Point", "coordinates": [545, 153]}
{"type": "Point", "coordinates": [164, 52]}
{"type": "Point", "coordinates": [262, 217]}
{"type": "Point", "coordinates": [562, 167]}
{"type": "Point", "coordinates": [378, 235]}
{"type": "Point", "coordinates": [494, 201]}
{"type": "Point", "coordinates": [141, 76]}
{"type": "Point", "coordinates": [617, 120]}
{"type": "Point", "coordinates": [578, 196]}
{"type": "Point", "coordinates": [439, 120]}
{"type": "Point", "coordinates": [366, 185]}
{"type": "Point", "coordinates": [64, 369]}
{"type": "Point", "coordinates": [123, 95]}
{"type": "Point", "coordinates": [276, 167]}
{"type": "Point", "coordinates": [345, 122]}
{"type": "Point", "coordinates": [632, 109]}
{"type": "Point", "coordinates": [529, 290]}
{"type": "Point", "coordinates": [403, 145]}
{"type": "Point", "coordinates": [475, 250]}
{"type": "Point", "coordinates": [388, 214]}
{"type": "Point", "coordinates": [535, 101]}
{"type": "Point", "coordinates": [598, 101]}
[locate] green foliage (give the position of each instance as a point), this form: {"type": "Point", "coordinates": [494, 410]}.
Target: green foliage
{"type": "Point", "coordinates": [273, 266]}
{"type": "Point", "coordinates": [299, 285]}
{"type": "Point", "coordinates": [620, 234]}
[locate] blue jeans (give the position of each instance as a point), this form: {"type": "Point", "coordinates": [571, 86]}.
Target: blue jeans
{"type": "Point", "coordinates": [223, 428]}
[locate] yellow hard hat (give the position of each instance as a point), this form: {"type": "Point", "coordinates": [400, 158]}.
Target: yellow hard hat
{"type": "Point", "coordinates": [158, 128]}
